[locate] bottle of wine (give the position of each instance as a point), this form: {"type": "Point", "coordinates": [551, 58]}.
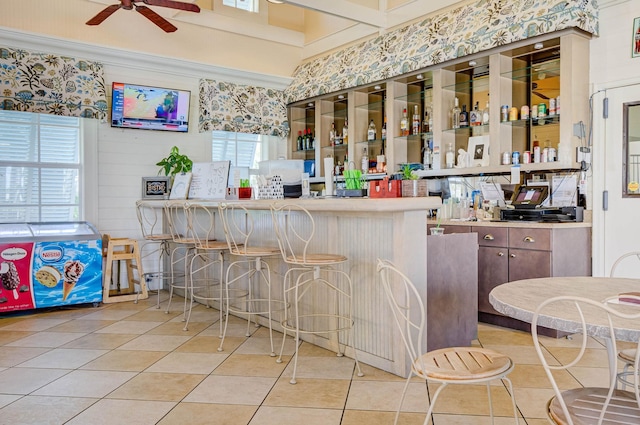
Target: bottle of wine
{"type": "Point", "coordinates": [415, 123]}
{"type": "Point", "coordinates": [345, 132]}
{"type": "Point", "coordinates": [332, 134]}
{"type": "Point", "coordinates": [299, 146]}
{"type": "Point", "coordinates": [371, 131]}
{"type": "Point", "coordinates": [404, 123]}
{"type": "Point", "coordinates": [455, 115]}
{"type": "Point", "coordinates": [383, 134]}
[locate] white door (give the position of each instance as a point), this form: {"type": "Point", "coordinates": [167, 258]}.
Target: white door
{"type": "Point", "coordinates": [616, 226]}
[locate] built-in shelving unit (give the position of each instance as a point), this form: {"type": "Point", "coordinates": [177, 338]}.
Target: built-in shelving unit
{"type": "Point", "coordinates": [530, 72]}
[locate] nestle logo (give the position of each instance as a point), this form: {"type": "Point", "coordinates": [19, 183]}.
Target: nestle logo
{"type": "Point", "coordinates": [51, 254]}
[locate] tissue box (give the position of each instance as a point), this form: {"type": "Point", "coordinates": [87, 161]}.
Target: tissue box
{"type": "Point", "coordinates": [414, 188]}
{"type": "Point", "coordinates": [385, 188]}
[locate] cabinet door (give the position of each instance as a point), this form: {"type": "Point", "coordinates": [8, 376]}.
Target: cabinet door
{"type": "Point", "coordinates": [493, 270]}
{"type": "Point", "coordinates": [529, 264]}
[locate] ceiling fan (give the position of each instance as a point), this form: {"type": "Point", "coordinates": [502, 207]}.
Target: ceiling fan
{"type": "Point", "coordinates": [165, 25]}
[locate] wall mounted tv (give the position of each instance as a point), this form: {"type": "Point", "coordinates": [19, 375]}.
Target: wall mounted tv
{"type": "Point", "coordinates": [149, 108]}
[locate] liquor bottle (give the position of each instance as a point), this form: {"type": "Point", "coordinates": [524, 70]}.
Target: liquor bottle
{"type": "Point", "coordinates": [427, 124]}
{"type": "Point", "coordinates": [371, 131]}
{"type": "Point", "coordinates": [384, 129]}
{"type": "Point", "coordinates": [365, 161]}
{"type": "Point", "coordinates": [312, 139]}
{"type": "Point", "coordinates": [455, 115]}
{"type": "Point", "coordinates": [404, 123]}
{"type": "Point", "coordinates": [345, 132]}
{"type": "Point", "coordinates": [485, 114]}
{"type": "Point", "coordinates": [415, 123]}
{"type": "Point", "coordinates": [464, 117]}
{"type": "Point", "coordinates": [427, 157]}
{"type": "Point", "coordinates": [474, 116]}
{"type": "Point", "coordinates": [299, 146]}
{"type": "Point", "coordinates": [332, 134]}
{"type": "Point", "coordinates": [449, 156]}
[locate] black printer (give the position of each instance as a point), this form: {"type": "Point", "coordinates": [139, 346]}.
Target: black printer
{"type": "Point", "coordinates": [526, 205]}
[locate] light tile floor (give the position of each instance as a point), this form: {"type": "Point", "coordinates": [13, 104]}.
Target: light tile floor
{"type": "Point", "coordinates": [133, 364]}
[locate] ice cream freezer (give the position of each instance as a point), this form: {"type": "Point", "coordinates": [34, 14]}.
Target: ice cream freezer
{"type": "Point", "coordinates": [49, 264]}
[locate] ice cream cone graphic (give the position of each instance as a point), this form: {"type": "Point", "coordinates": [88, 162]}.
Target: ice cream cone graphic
{"type": "Point", "coordinates": [72, 271]}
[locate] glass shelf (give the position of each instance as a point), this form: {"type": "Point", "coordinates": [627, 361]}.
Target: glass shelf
{"type": "Point", "coordinates": [372, 106]}
{"type": "Point", "coordinates": [416, 136]}
{"type": "Point", "coordinates": [467, 128]}
{"type": "Point", "coordinates": [538, 71]}
{"type": "Point", "coordinates": [550, 120]}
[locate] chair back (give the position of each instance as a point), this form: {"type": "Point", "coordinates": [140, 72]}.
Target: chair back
{"type": "Point", "coordinates": [407, 308]}
{"type": "Point", "coordinates": [237, 224]}
{"type": "Point", "coordinates": [627, 265]}
{"type": "Point", "coordinates": [150, 217]}
{"type": "Point", "coordinates": [201, 225]}
{"type": "Point", "coordinates": [608, 320]}
{"type": "Point", "coordinates": [176, 214]}
{"type": "Point", "coordinates": [294, 228]}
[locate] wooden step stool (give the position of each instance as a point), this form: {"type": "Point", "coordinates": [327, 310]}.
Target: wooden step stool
{"type": "Point", "coordinates": [127, 250]}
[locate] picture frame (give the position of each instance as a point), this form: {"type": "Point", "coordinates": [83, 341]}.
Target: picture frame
{"type": "Point", "coordinates": [156, 187]}
{"type": "Point", "coordinates": [635, 38]}
{"type": "Point", "coordinates": [478, 150]}
{"type": "Point", "coordinates": [180, 186]}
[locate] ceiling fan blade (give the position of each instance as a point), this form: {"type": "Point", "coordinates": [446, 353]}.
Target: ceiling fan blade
{"type": "Point", "coordinates": [173, 5]}
{"type": "Point", "coordinates": [106, 12]}
{"type": "Point", "coordinates": [165, 25]}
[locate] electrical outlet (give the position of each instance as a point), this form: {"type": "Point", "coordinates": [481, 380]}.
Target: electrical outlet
{"type": "Point", "coordinates": [583, 153]}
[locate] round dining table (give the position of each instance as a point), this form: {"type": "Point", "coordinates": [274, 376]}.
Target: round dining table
{"type": "Point", "coordinates": [519, 299]}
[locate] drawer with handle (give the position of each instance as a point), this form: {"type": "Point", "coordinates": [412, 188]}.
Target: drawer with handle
{"type": "Point", "coordinates": [539, 239]}
{"type": "Point", "coordinates": [491, 236]}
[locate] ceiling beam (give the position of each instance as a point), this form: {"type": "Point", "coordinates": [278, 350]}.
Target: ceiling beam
{"type": "Point", "coordinates": [346, 10]}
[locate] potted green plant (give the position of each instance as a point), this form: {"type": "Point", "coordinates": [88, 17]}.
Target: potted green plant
{"type": "Point", "coordinates": [411, 185]}
{"type": "Point", "coordinates": [175, 163]}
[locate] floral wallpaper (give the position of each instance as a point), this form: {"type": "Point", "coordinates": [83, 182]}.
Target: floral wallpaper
{"type": "Point", "coordinates": [51, 84]}
{"type": "Point", "coordinates": [242, 109]}
{"type": "Point", "coordinates": [474, 26]}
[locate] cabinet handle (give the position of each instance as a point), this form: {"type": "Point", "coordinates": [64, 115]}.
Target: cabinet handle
{"type": "Point", "coordinates": [488, 237]}
{"type": "Point", "coordinates": [501, 254]}
{"type": "Point", "coordinates": [529, 239]}
{"type": "Point", "coordinates": [512, 255]}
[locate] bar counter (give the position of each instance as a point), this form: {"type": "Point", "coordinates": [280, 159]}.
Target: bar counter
{"type": "Point", "coordinates": [363, 230]}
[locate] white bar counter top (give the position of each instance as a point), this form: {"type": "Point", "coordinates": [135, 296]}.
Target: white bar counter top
{"type": "Point", "coordinates": [334, 203]}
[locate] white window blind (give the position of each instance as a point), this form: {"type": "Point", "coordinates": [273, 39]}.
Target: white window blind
{"type": "Point", "coordinates": [242, 149]}
{"type": "Point", "coordinates": [248, 5]}
{"type": "Point", "coordinates": [40, 167]}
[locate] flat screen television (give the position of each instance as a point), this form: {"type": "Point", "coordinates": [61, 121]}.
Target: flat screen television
{"type": "Point", "coordinates": [149, 108]}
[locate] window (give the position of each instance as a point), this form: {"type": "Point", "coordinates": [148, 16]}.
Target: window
{"type": "Point", "coordinates": [40, 167]}
{"type": "Point", "coordinates": [242, 149]}
{"type": "Point", "coordinates": [248, 5]}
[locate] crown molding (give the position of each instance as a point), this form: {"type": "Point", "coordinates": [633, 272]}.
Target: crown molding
{"type": "Point", "coordinates": [138, 60]}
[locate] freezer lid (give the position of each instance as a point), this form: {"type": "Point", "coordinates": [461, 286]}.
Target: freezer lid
{"type": "Point", "coordinates": [51, 231]}
{"type": "Point", "coordinates": [15, 230]}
